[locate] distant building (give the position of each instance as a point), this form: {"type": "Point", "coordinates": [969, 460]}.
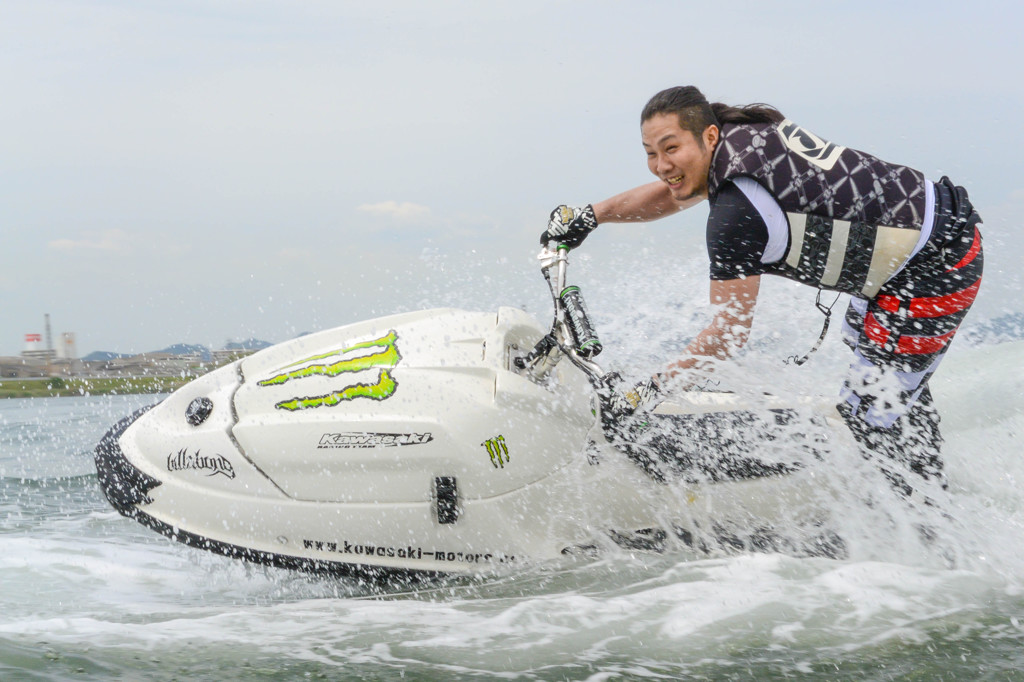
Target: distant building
{"type": "Point", "coordinates": [68, 347]}
{"type": "Point", "coordinates": [222, 357]}
{"type": "Point", "coordinates": [34, 348]}
{"type": "Point", "coordinates": [22, 367]}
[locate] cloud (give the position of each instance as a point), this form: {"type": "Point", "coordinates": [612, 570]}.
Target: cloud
{"type": "Point", "coordinates": [107, 240]}
{"type": "Point", "coordinates": [405, 211]}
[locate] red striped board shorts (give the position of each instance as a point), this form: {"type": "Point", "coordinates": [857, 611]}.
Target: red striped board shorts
{"type": "Point", "coordinates": [900, 336]}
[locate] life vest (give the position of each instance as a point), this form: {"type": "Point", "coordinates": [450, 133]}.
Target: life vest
{"type": "Point", "coordinates": [854, 220]}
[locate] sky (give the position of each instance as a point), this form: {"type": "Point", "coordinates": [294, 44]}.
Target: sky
{"type": "Point", "coordinates": [202, 172]}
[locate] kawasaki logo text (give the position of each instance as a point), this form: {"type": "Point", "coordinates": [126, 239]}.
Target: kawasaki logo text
{"type": "Point", "coordinates": [406, 552]}
{"type": "Point", "coordinates": [372, 440]}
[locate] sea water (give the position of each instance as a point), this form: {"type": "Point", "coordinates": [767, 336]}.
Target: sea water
{"type": "Point", "coordinates": [86, 594]}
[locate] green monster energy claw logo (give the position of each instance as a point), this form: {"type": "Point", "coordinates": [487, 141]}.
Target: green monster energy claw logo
{"type": "Point", "coordinates": [498, 451]}
{"type": "Point", "coordinates": [387, 356]}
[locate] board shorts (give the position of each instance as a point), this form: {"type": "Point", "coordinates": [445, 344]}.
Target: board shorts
{"type": "Point", "coordinates": [901, 335]}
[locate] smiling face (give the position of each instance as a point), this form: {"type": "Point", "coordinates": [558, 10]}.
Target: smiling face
{"type": "Point", "coordinates": [677, 157]}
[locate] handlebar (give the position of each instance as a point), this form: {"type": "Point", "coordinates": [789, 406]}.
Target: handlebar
{"type": "Point", "coordinates": [571, 333]}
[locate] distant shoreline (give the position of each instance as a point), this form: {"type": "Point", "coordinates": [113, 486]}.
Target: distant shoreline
{"type": "Point", "coordinates": [61, 387]}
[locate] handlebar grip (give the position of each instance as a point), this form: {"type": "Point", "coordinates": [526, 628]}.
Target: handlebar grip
{"type": "Point", "coordinates": [583, 335]}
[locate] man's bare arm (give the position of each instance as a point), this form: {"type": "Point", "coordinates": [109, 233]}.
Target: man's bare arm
{"type": "Point", "coordinates": [640, 204]}
{"type": "Point", "coordinates": [730, 329]}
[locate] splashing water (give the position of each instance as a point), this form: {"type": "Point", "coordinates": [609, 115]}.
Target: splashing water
{"type": "Point", "coordinates": [90, 595]}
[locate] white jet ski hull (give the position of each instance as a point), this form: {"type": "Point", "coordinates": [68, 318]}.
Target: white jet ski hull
{"type": "Point", "coordinates": [410, 446]}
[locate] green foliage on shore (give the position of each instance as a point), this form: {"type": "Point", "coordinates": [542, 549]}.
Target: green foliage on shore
{"type": "Point", "coordinates": [49, 387]}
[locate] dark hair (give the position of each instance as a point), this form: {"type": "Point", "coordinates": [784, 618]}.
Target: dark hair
{"type": "Point", "coordinates": [696, 113]}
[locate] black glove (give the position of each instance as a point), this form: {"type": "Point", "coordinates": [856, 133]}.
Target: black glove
{"type": "Point", "coordinates": [569, 225]}
{"type": "Point", "coordinates": [620, 421]}
{"type": "Point", "coordinates": [619, 400]}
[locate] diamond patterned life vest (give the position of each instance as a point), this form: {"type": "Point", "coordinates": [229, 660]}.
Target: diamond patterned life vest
{"type": "Point", "coordinates": [853, 219]}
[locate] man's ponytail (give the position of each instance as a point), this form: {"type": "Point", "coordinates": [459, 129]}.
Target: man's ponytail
{"type": "Point", "coordinates": [751, 113]}
{"type": "Point", "coordinates": [696, 113]}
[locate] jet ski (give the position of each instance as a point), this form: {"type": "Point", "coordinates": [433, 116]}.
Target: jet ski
{"type": "Point", "coordinates": [447, 442]}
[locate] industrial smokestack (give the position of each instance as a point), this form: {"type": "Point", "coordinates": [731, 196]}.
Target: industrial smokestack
{"type": "Point", "coordinates": [49, 337]}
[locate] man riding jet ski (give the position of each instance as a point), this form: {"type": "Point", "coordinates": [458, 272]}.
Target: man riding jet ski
{"type": "Point", "coordinates": [463, 442]}
{"type": "Point", "coordinates": [447, 441]}
{"type": "Point", "coordinates": [786, 202]}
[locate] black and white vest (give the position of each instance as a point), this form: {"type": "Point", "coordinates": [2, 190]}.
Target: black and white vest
{"type": "Point", "coordinates": [854, 220]}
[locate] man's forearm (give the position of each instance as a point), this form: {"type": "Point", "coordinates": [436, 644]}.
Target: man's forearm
{"type": "Point", "coordinates": [713, 343]}
{"type": "Point", "coordinates": [640, 204]}
{"type": "Point", "coordinates": [730, 329]}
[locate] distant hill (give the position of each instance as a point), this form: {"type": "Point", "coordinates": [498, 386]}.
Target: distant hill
{"type": "Point", "coordinates": [248, 344]}
{"type": "Point", "coordinates": [104, 356]}
{"type": "Point", "coordinates": [187, 349]}
{"type": "Point", "coordinates": [181, 349]}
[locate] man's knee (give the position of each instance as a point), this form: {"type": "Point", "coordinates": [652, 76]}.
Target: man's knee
{"type": "Point", "coordinates": [914, 440]}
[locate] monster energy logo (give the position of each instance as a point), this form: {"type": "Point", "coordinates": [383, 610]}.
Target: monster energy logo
{"type": "Point", "coordinates": [386, 355]}
{"type": "Point", "coordinates": [498, 451]}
